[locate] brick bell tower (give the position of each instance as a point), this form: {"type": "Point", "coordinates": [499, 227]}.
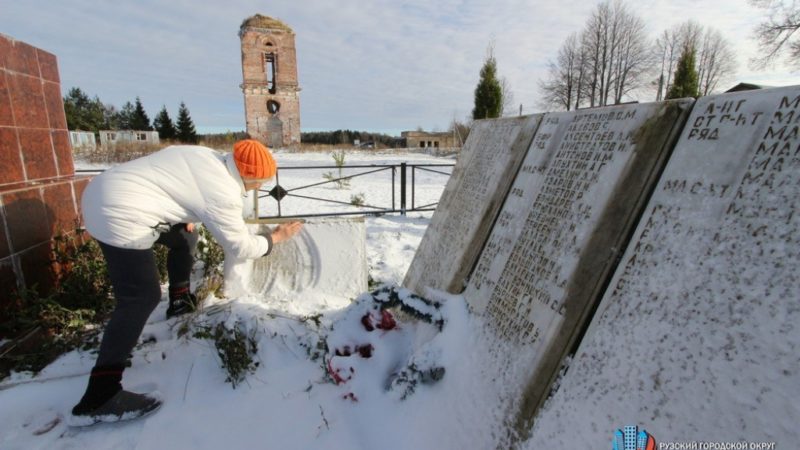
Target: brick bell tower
{"type": "Point", "coordinates": [269, 72]}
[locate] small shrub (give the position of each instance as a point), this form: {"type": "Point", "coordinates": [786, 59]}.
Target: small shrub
{"type": "Point", "coordinates": [338, 159]}
{"type": "Point", "coordinates": [44, 326]}
{"type": "Point", "coordinates": [357, 199]}
{"type": "Point", "coordinates": [236, 349]}
{"type": "Point", "coordinates": [212, 256]}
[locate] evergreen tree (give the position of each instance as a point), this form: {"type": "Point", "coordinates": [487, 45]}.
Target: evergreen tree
{"type": "Point", "coordinates": [82, 112]}
{"type": "Point", "coordinates": [488, 93]}
{"type": "Point", "coordinates": [686, 83]}
{"type": "Point", "coordinates": [163, 124]}
{"type": "Point", "coordinates": [139, 120]}
{"type": "Point", "coordinates": [186, 131]}
{"type": "Point", "coordinates": [124, 117]}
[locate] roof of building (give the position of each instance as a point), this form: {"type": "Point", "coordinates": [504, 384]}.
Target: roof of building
{"type": "Point", "coordinates": [261, 21]}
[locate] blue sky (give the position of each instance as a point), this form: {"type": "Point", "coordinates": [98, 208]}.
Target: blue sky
{"type": "Point", "coordinates": [378, 65]}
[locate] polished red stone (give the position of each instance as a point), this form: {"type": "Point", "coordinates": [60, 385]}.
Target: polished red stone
{"type": "Point", "coordinates": [63, 152]}
{"type": "Point", "coordinates": [27, 101]}
{"type": "Point", "coordinates": [27, 218]}
{"type": "Point", "coordinates": [10, 161]}
{"type": "Point", "coordinates": [37, 268]}
{"type": "Point", "coordinates": [48, 66]}
{"type": "Point", "coordinates": [37, 151]}
{"type": "Point", "coordinates": [61, 207]}
{"type": "Point", "coordinates": [22, 58]}
{"type": "Point", "coordinates": [55, 106]}
{"type": "Point", "coordinates": [6, 116]}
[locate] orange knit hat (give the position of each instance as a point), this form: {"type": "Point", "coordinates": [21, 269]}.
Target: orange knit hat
{"type": "Point", "coordinates": [253, 160]}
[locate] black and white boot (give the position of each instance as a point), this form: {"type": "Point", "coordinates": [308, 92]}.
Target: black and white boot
{"type": "Point", "coordinates": [106, 401]}
{"type": "Point", "coordinates": [181, 301]}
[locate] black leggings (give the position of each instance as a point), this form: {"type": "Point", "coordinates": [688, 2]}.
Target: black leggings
{"type": "Point", "coordinates": [137, 288]}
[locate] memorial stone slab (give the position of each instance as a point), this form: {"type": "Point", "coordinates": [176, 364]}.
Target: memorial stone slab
{"type": "Point", "coordinates": [469, 203]}
{"type": "Point", "coordinates": [327, 257]}
{"type": "Point", "coordinates": [697, 335]}
{"type": "Point", "coordinates": [575, 201]}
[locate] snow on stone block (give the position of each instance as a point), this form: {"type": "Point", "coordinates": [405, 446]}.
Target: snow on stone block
{"type": "Point", "coordinates": [573, 204]}
{"type": "Point", "coordinates": [696, 337]}
{"type": "Point", "coordinates": [328, 257]}
{"type": "Point", "coordinates": [470, 201]}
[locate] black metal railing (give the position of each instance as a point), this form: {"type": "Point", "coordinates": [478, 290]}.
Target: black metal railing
{"type": "Point", "coordinates": [400, 190]}
{"type": "Point", "coordinates": [280, 194]}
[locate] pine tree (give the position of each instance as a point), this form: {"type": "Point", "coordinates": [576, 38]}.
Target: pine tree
{"type": "Point", "coordinates": [686, 83]}
{"type": "Point", "coordinates": [124, 117]}
{"type": "Point", "coordinates": [488, 93]}
{"type": "Point", "coordinates": [163, 124]}
{"type": "Point", "coordinates": [82, 112]}
{"type": "Point", "coordinates": [186, 131]}
{"type": "Point", "coordinates": [140, 121]}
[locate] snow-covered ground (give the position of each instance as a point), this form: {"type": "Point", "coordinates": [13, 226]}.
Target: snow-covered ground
{"type": "Point", "coordinates": [292, 400]}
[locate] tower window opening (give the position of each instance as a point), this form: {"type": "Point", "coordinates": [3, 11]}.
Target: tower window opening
{"type": "Point", "coordinates": [270, 68]}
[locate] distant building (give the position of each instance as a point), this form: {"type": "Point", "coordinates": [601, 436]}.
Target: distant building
{"type": "Point", "coordinates": [422, 139]}
{"type": "Point", "coordinates": [109, 138]}
{"type": "Point", "coordinates": [82, 141]}
{"type": "Point", "coordinates": [270, 87]}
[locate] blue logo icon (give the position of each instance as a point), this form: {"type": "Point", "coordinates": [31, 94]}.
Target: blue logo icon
{"type": "Point", "coordinates": [632, 438]}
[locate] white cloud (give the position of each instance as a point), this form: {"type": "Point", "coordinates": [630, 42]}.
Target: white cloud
{"type": "Point", "coordinates": [379, 65]}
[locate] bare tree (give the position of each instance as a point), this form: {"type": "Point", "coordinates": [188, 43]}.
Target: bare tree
{"type": "Point", "coordinates": [776, 34]}
{"type": "Point", "coordinates": [602, 65]}
{"type": "Point", "coordinates": [715, 58]}
{"type": "Point", "coordinates": [668, 48]}
{"type": "Point", "coordinates": [508, 105]}
{"type": "Point", "coordinates": [716, 61]}
{"type": "Point", "coordinates": [616, 50]}
{"type": "Point", "coordinates": [564, 83]}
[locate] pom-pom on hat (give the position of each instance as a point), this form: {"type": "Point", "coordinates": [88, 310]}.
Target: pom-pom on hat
{"type": "Point", "coordinates": [254, 160]}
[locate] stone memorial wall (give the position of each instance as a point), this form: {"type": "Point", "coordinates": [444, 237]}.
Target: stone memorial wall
{"type": "Point", "coordinates": [469, 204]}
{"type": "Point", "coordinates": [583, 183]}
{"type": "Point", "coordinates": [697, 335]}
{"type": "Point", "coordinates": [39, 192]}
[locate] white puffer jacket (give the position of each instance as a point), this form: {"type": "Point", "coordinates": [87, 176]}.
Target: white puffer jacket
{"type": "Point", "coordinates": [129, 205]}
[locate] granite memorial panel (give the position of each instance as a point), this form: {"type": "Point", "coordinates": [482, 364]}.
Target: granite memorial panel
{"type": "Point", "coordinates": [469, 203]}
{"type": "Point", "coordinates": [697, 334]}
{"type": "Point", "coordinates": [571, 208]}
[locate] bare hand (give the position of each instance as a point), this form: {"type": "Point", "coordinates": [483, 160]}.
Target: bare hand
{"type": "Point", "coordinates": [286, 231]}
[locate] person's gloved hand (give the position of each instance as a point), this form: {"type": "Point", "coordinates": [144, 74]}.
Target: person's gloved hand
{"type": "Point", "coordinates": [286, 231]}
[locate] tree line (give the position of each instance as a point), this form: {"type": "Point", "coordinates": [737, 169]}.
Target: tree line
{"type": "Point", "coordinates": [90, 114]}
{"type": "Point", "coordinates": [612, 60]}
{"type": "Point", "coordinates": [340, 137]}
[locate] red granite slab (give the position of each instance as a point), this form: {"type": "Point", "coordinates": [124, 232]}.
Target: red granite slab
{"type": "Point", "coordinates": [4, 249]}
{"type": "Point", "coordinates": [37, 268]}
{"type": "Point", "coordinates": [27, 101]}
{"type": "Point", "coordinates": [55, 106]}
{"type": "Point", "coordinates": [37, 152]}
{"type": "Point", "coordinates": [6, 116]}
{"type": "Point", "coordinates": [48, 66]}
{"type": "Point", "coordinates": [10, 160]}
{"type": "Point", "coordinates": [61, 207]}
{"type": "Point", "coordinates": [22, 59]}
{"type": "Point", "coordinates": [27, 218]}
{"type": "Point", "coordinates": [5, 50]}
{"type": "Point", "coordinates": [63, 152]}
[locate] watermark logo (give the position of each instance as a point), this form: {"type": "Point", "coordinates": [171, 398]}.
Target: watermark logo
{"type": "Point", "coordinates": [633, 438]}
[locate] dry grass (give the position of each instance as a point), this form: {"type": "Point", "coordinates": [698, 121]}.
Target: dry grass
{"type": "Point", "coordinates": [261, 21]}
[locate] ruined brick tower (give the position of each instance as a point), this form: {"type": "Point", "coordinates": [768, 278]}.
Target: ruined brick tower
{"type": "Point", "coordinates": [269, 72]}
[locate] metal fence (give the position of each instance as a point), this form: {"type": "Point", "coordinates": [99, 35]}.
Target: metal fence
{"type": "Point", "coordinates": [404, 193]}
{"type": "Point", "coordinates": [403, 190]}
